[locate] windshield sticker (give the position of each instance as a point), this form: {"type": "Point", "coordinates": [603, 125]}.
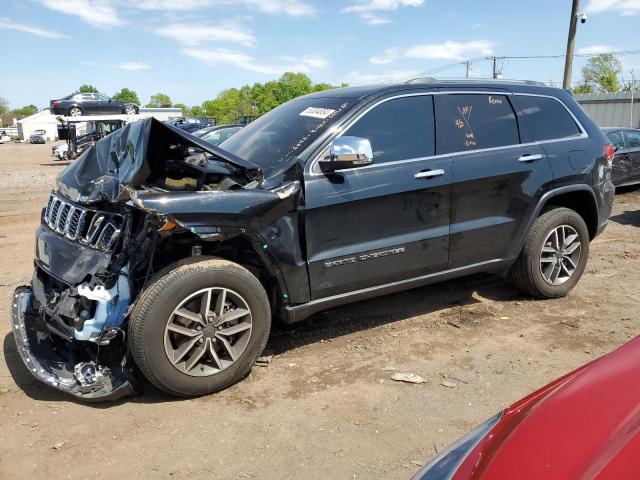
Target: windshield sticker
{"type": "Point", "coordinates": [302, 141]}
{"type": "Point", "coordinates": [317, 112]}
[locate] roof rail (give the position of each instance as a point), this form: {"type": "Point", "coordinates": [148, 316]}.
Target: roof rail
{"type": "Point", "coordinates": [470, 80]}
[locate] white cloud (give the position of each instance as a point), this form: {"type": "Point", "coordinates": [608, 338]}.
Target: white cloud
{"type": "Point", "coordinates": [373, 19]}
{"type": "Point", "coordinates": [7, 24]}
{"type": "Point", "coordinates": [384, 5]}
{"type": "Point", "coordinates": [221, 56]}
{"type": "Point", "coordinates": [130, 66]}
{"type": "Point", "coordinates": [192, 34]}
{"type": "Point", "coordinates": [479, 25]}
{"type": "Point", "coordinates": [595, 49]}
{"type": "Point", "coordinates": [437, 51]}
{"type": "Point", "coordinates": [99, 13]}
{"type": "Point", "coordinates": [295, 8]}
{"type": "Point", "coordinates": [359, 77]}
{"type": "Point", "coordinates": [366, 9]}
{"type": "Point", "coordinates": [624, 7]}
{"type": "Point", "coordinates": [104, 13]}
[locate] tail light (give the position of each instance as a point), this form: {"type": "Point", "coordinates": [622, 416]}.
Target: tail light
{"type": "Point", "coordinates": [56, 103]}
{"type": "Point", "coordinates": [609, 152]}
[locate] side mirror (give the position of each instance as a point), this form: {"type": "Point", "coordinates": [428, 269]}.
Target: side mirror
{"type": "Point", "coordinates": [347, 152]}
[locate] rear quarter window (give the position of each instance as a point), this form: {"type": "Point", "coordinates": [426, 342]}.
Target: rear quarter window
{"type": "Point", "coordinates": [548, 119]}
{"type": "Point", "coordinates": [476, 121]}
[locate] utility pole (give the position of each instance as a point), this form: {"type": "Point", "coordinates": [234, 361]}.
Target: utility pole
{"type": "Point", "coordinates": [466, 64]}
{"type": "Point", "coordinates": [568, 61]}
{"type": "Point", "coordinates": [633, 87]}
{"type": "Point", "coordinates": [495, 72]}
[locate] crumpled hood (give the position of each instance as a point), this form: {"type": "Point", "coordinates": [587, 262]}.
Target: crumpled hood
{"type": "Point", "coordinates": [105, 170]}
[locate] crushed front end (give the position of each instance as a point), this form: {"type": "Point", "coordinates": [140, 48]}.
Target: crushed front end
{"type": "Point", "coordinates": [67, 323]}
{"type": "Point", "coordinates": [138, 201]}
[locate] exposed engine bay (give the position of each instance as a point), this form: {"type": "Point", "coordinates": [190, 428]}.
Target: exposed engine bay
{"type": "Point", "coordinates": [133, 203]}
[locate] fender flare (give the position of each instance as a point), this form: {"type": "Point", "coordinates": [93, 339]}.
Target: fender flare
{"type": "Point", "coordinates": [544, 199]}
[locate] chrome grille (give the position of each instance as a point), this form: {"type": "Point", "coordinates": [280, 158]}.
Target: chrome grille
{"type": "Point", "coordinates": [89, 227]}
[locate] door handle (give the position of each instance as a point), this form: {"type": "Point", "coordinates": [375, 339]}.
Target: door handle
{"type": "Point", "coordinates": [530, 158]}
{"type": "Point", "coordinates": [429, 173]}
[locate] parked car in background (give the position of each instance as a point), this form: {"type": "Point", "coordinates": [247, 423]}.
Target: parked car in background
{"type": "Point", "coordinates": [331, 198]}
{"type": "Point", "coordinates": [217, 135]}
{"type": "Point", "coordinates": [188, 124]}
{"type": "Point", "coordinates": [584, 425]}
{"type": "Point", "coordinates": [626, 163]}
{"type": "Point", "coordinates": [78, 104]}
{"type": "Point", "coordinates": [75, 145]}
{"type": "Point", "coordinates": [38, 136]}
{"type": "Point", "coordinates": [60, 151]}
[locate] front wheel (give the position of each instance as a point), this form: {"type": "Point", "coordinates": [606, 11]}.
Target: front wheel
{"type": "Point", "coordinates": [199, 327]}
{"type": "Point", "coordinates": [130, 110]}
{"type": "Point", "coordinates": [554, 255]}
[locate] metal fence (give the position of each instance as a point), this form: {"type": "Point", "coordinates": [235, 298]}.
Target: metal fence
{"type": "Point", "coordinates": [621, 109]}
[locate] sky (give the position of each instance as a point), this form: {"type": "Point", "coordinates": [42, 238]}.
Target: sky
{"type": "Point", "coordinates": [193, 49]}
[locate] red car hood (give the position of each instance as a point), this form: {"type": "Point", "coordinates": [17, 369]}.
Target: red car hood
{"type": "Point", "coordinates": [584, 425]}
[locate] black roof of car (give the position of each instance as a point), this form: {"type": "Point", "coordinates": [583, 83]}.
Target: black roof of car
{"type": "Point", "coordinates": [427, 83]}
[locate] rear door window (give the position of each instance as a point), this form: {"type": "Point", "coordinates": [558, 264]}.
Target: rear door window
{"type": "Point", "coordinates": [476, 121]}
{"type": "Point", "coordinates": [616, 139]}
{"type": "Point", "coordinates": [398, 129]}
{"type": "Point", "coordinates": [548, 119]}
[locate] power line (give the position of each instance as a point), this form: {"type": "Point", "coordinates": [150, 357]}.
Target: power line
{"type": "Point", "coordinates": [503, 58]}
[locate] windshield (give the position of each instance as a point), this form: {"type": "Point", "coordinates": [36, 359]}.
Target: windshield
{"type": "Point", "coordinates": [286, 131]}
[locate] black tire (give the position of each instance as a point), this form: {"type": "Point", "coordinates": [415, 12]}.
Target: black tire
{"type": "Point", "coordinates": [526, 274]}
{"type": "Point", "coordinates": [69, 113]}
{"type": "Point", "coordinates": [155, 305]}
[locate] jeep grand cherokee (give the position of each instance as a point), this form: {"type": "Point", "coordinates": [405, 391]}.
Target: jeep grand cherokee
{"type": "Point", "coordinates": [159, 250]}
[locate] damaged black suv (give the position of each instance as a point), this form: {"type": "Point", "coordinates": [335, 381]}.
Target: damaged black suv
{"type": "Point", "coordinates": [161, 251]}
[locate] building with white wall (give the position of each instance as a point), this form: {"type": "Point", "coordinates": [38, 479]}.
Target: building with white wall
{"type": "Point", "coordinates": [48, 122]}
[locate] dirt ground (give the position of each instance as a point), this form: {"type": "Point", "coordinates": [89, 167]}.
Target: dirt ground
{"type": "Point", "coordinates": [325, 407]}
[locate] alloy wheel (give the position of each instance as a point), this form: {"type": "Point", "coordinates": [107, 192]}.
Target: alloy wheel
{"type": "Point", "coordinates": [208, 331]}
{"type": "Point", "coordinates": [75, 112]}
{"type": "Point", "coordinates": [560, 255]}
{"type": "Point", "coordinates": [129, 110]}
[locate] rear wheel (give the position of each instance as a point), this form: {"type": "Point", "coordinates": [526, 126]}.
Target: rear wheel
{"type": "Point", "coordinates": [75, 112]}
{"type": "Point", "coordinates": [554, 255]}
{"type": "Point", "coordinates": [200, 327]}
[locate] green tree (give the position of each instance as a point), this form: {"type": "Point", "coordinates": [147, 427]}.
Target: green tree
{"type": "Point", "coordinates": [601, 72]}
{"type": "Point", "coordinates": [259, 98]}
{"type": "Point", "coordinates": [583, 88]}
{"type": "Point", "coordinates": [159, 100]}
{"type": "Point", "coordinates": [186, 111]}
{"type": "Point", "coordinates": [197, 111]}
{"type": "Point", "coordinates": [25, 111]}
{"type": "Point", "coordinates": [86, 88]}
{"type": "Point", "coordinates": [4, 106]}
{"type": "Point", "coordinates": [126, 95]}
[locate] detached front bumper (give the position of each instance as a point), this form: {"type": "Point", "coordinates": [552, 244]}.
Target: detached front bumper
{"type": "Point", "coordinates": [55, 366]}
